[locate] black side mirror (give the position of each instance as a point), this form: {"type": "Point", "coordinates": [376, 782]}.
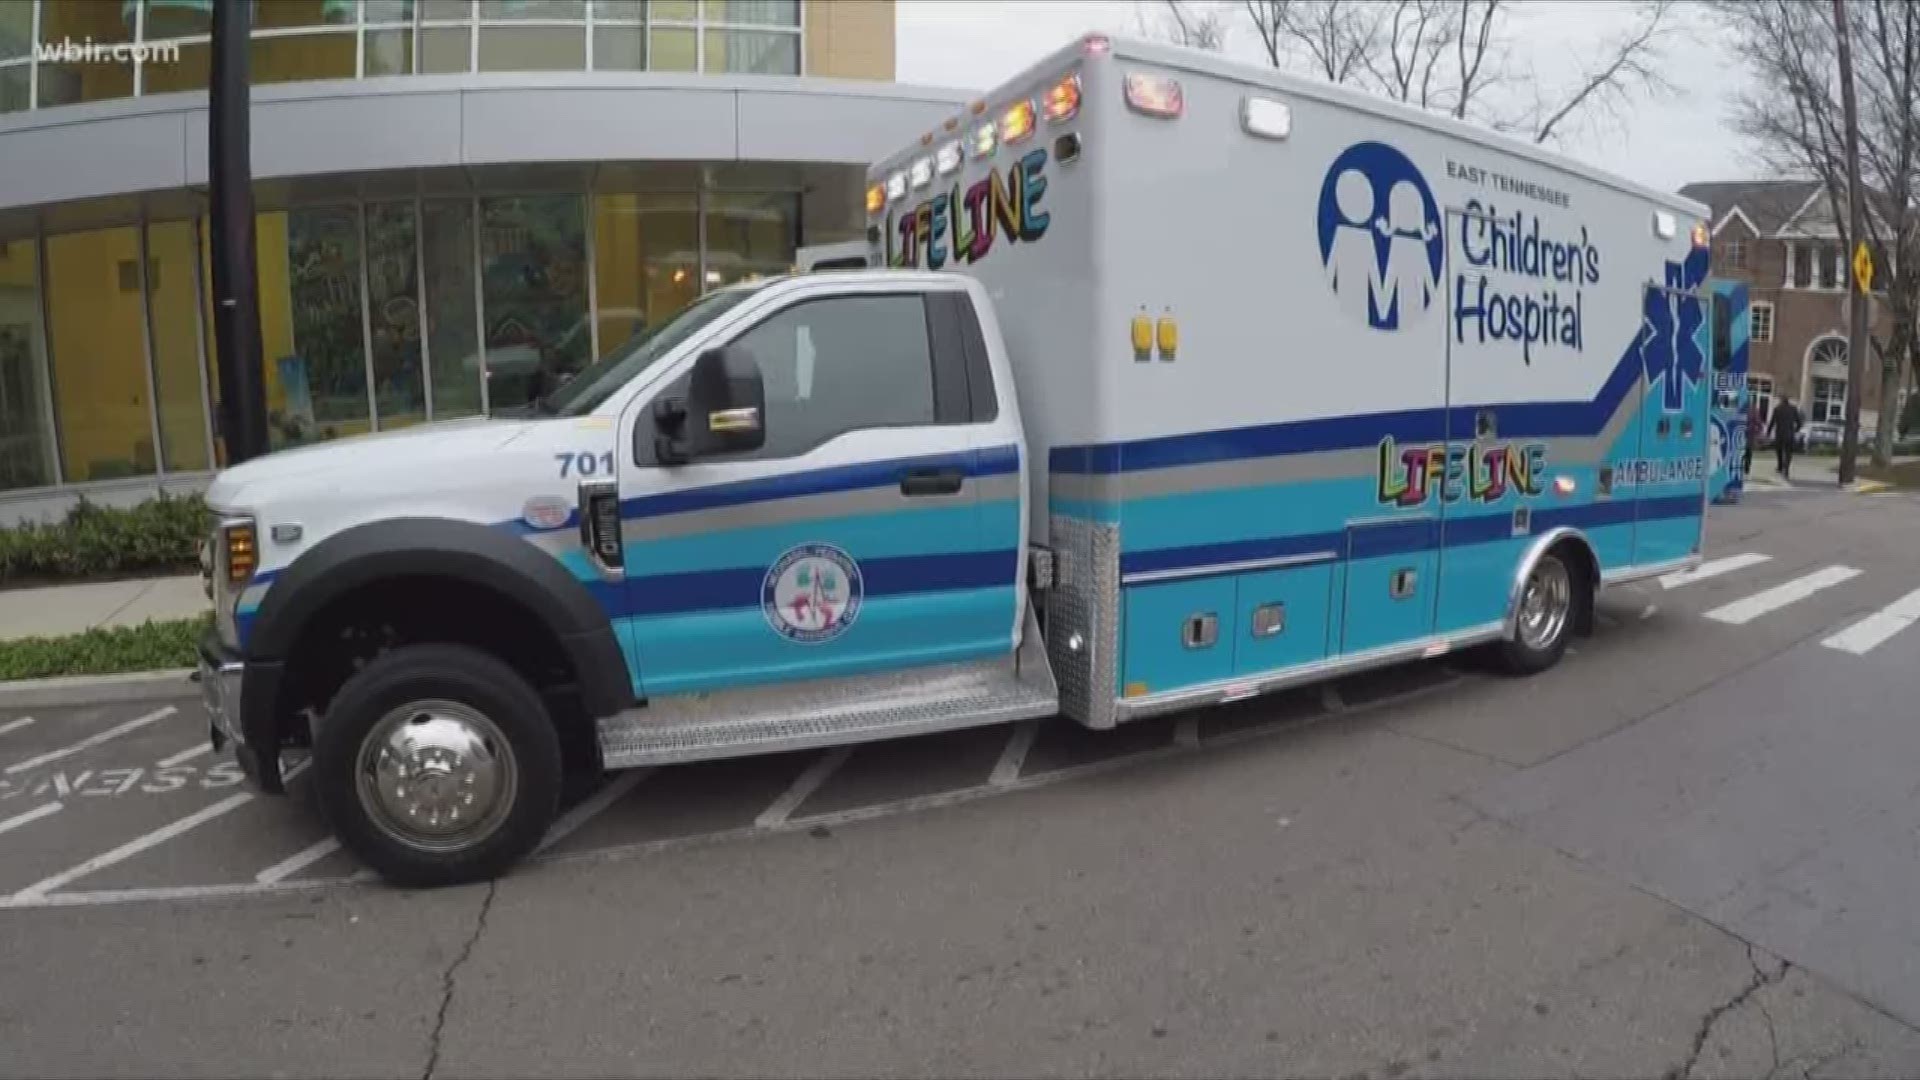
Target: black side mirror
{"type": "Point", "coordinates": [723, 412]}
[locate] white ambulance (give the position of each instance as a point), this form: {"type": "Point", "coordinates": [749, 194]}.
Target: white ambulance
{"type": "Point", "coordinates": [1181, 382]}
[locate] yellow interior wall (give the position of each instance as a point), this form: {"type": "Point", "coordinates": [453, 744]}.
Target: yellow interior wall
{"type": "Point", "coordinates": [176, 345]}
{"type": "Point", "coordinates": [850, 39]}
{"type": "Point", "coordinates": [99, 368]}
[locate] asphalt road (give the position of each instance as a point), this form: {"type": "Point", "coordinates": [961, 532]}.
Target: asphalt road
{"type": "Point", "coordinates": [1687, 850]}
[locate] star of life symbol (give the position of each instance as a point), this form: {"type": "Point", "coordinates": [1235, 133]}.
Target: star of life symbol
{"type": "Point", "coordinates": [812, 593]}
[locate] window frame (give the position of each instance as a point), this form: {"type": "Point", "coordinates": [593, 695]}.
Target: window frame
{"type": "Point", "coordinates": [960, 362]}
{"type": "Point", "coordinates": [1753, 322]}
{"type": "Point", "coordinates": [1736, 252]}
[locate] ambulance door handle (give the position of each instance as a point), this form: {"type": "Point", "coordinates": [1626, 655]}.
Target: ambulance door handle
{"type": "Point", "coordinates": [931, 482]}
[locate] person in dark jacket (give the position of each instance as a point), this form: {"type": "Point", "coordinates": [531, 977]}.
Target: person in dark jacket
{"type": "Point", "coordinates": [1786, 429]}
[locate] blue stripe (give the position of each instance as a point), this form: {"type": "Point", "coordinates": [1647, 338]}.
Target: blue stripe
{"type": "Point", "coordinates": [867, 474]}
{"type": "Point", "coordinates": [1391, 538]}
{"type": "Point", "coordinates": [1518, 420]}
{"type": "Point", "coordinates": [739, 587]}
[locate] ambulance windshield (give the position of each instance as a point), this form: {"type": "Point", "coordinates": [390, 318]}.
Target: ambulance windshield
{"type": "Point", "coordinates": [584, 392]}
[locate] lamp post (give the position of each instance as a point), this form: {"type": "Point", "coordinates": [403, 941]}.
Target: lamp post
{"type": "Point", "coordinates": [236, 298]}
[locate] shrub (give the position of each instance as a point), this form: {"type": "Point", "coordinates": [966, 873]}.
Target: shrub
{"type": "Point", "coordinates": [162, 535]}
{"type": "Point", "coordinates": [150, 646]}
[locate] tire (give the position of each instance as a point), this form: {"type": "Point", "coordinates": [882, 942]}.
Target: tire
{"type": "Point", "coordinates": [467, 750]}
{"type": "Point", "coordinates": [1544, 616]}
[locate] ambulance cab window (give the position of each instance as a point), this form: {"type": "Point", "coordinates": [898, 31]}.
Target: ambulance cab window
{"type": "Point", "coordinates": [839, 365]}
{"type": "Point", "coordinates": [1722, 334]}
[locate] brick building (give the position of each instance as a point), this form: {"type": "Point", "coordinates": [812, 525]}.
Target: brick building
{"type": "Point", "coordinates": [1782, 238]}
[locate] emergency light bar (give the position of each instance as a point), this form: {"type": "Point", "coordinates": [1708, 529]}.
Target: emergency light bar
{"type": "Point", "coordinates": [947, 158]}
{"type": "Point", "coordinates": [1266, 117]}
{"type": "Point", "coordinates": [1063, 99]}
{"type": "Point", "coordinates": [983, 140]}
{"type": "Point", "coordinates": [1017, 123]}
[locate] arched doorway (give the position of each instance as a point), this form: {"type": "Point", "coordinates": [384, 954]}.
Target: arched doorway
{"type": "Point", "coordinates": [1826, 362]}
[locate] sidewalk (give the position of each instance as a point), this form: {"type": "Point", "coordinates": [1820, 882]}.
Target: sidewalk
{"type": "Point", "coordinates": [57, 610]}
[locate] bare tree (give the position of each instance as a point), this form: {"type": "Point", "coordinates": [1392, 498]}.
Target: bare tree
{"type": "Point", "coordinates": [1792, 113]}
{"type": "Point", "coordinates": [1456, 57]}
{"type": "Point", "coordinates": [1195, 25]}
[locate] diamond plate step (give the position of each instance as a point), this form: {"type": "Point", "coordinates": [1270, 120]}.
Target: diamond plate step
{"type": "Point", "coordinates": [832, 712]}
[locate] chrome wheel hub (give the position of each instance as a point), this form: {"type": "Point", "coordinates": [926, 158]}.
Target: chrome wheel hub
{"type": "Point", "coordinates": [1545, 604]}
{"type": "Point", "coordinates": [436, 775]}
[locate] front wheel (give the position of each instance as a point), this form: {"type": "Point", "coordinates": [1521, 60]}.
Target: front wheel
{"type": "Point", "coordinates": [1543, 617]}
{"type": "Point", "coordinates": [437, 765]}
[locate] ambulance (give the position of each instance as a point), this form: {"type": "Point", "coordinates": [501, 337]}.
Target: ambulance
{"type": "Point", "coordinates": [1158, 381]}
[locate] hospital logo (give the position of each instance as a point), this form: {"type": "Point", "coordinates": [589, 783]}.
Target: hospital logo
{"type": "Point", "coordinates": [1380, 236]}
{"type": "Point", "coordinates": [812, 593]}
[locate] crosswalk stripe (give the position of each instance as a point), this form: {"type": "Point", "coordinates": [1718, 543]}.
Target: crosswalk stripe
{"type": "Point", "coordinates": [1750, 608]}
{"type": "Point", "coordinates": [1876, 628]}
{"type": "Point", "coordinates": [1713, 568]}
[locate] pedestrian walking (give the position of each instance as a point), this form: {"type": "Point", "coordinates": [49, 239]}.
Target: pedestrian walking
{"type": "Point", "coordinates": [1786, 430]}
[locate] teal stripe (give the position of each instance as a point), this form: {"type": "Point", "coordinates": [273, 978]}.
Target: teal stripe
{"type": "Point", "coordinates": [1086, 509]}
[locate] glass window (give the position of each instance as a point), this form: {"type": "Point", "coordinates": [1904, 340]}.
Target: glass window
{"type": "Point", "coordinates": [389, 52]}
{"type": "Point", "coordinates": [105, 21]}
{"type": "Point", "coordinates": [393, 311]}
{"type": "Point", "coordinates": [14, 92]}
{"type": "Point", "coordinates": [71, 84]}
{"type": "Point", "coordinates": [310, 328]}
{"type": "Point", "coordinates": [282, 13]}
{"type": "Point", "coordinates": [539, 48]}
{"type": "Point", "coordinates": [175, 319]}
{"type": "Point", "coordinates": [99, 354]}
{"type": "Point", "coordinates": [16, 30]}
{"type": "Point", "coordinates": [750, 236]}
{"type": "Point", "coordinates": [190, 72]}
{"type": "Point", "coordinates": [619, 10]}
{"type": "Point", "coordinates": [622, 365]}
{"type": "Point", "coordinates": [646, 261]}
{"type": "Point", "coordinates": [753, 52]}
{"type": "Point", "coordinates": [453, 350]}
{"type": "Point", "coordinates": [682, 10]}
{"type": "Point", "coordinates": [1800, 265]}
{"type": "Point", "coordinates": [534, 294]}
{"type": "Point", "coordinates": [26, 446]}
{"type": "Point", "coordinates": [1829, 400]}
{"type": "Point", "coordinates": [444, 49]}
{"type": "Point", "coordinates": [840, 365]}
{"type": "Point", "coordinates": [754, 12]}
{"type": "Point", "coordinates": [1761, 323]}
{"type": "Point", "coordinates": [389, 11]}
{"type": "Point", "coordinates": [575, 10]}
{"type": "Point", "coordinates": [673, 50]}
{"type": "Point", "coordinates": [438, 10]}
{"type": "Point", "coordinates": [303, 57]}
{"type": "Point", "coordinates": [1828, 265]}
{"type": "Point", "coordinates": [619, 48]}
{"type": "Point", "coordinates": [177, 18]}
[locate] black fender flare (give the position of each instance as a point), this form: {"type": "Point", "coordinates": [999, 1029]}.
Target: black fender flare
{"type": "Point", "coordinates": [486, 556]}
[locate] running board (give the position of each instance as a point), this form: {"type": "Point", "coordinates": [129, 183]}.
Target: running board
{"type": "Point", "coordinates": [832, 712]}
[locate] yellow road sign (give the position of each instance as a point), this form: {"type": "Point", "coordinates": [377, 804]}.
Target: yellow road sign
{"type": "Point", "coordinates": [1862, 267]}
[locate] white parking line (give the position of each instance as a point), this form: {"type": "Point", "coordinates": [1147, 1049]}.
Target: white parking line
{"type": "Point", "coordinates": [15, 725]}
{"type": "Point", "coordinates": [30, 816]}
{"type": "Point", "coordinates": [1876, 628]}
{"type": "Point", "coordinates": [186, 755]}
{"type": "Point", "coordinates": [92, 741]}
{"type": "Point", "coordinates": [1713, 569]}
{"type": "Point", "coordinates": [592, 805]}
{"type": "Point", "coordinates": [1750, 608]}
{"type": "Point", "coordinates": [128, 850]}
{"type": "Point", "coordinates": [298, 861]}
{"type": "Point", "coordinates": [1014, 754]}
{"type": "Point", "coordinates": [804, 785]}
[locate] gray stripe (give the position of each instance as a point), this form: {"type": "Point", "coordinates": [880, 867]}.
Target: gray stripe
{"type": "Point", "coordinates": [832, 504]}
{"type": "Point", "coordinates": [1003, 486]}
{"type": "Point", "coordinates": [556, 543]}
{"type": "Point", "coordinates": [1085, 487]}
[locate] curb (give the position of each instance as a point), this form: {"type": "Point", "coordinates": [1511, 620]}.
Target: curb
{"type": "Point", "coordinates": [97, 689]}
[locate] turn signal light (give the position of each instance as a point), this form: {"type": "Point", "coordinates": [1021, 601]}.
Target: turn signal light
{"type": "Point", "coordinates": [243, 556]}
{"type": "Point", "coordinates": [1063, 99]}
{"type": "Point", "coordinates": [1700, 237]}
{"type": "Point", "coordinates": [876, 199]}
{"type": "Point", "coordinates": [1142, 338]}
{"type": "Point", "coordinates": [1168, 338]}
{"type": "Point", "coordinates": [1154, 95]}
{"type": "Point", "coordinates": [1017, 123]}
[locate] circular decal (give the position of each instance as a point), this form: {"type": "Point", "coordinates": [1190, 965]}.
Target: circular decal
{"type": "Point", "coordinates": [546, 512]}
{"type": "Point", "coordinates": [812, 593]}
{"type": "Point", "coordinates": [1380, 236]}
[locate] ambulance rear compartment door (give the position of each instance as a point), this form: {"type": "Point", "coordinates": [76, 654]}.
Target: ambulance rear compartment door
{"type": "Point", "coordinates": [1669, 482]}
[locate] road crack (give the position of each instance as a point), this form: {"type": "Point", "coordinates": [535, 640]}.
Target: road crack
{"type": "Point", "coordinates": [1762, 977]}
{"type": "Point", "coordinates": [449, 978]}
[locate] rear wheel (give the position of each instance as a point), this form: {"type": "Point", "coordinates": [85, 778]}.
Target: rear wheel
{"type": "Point", "coordinates": [1543, 618]}
{"type": "Point", "coordinates": [438, 764]}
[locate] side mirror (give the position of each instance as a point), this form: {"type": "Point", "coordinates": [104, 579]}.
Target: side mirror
{"type": "Point", "coordinates": [723, 412]}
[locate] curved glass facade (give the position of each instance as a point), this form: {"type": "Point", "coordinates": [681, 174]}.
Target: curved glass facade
{"type": "Point", "coordinates": [62, 52]}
